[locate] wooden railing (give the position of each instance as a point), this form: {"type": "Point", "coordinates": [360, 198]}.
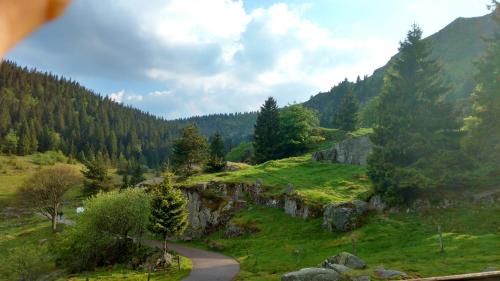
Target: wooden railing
{"type": "Point", "coordinates": [482, 276]}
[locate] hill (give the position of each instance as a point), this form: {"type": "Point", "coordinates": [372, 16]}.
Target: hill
{"type": "Point", "coordinates": [456, 47]}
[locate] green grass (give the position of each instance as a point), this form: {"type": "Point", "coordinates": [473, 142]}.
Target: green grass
{"type": "Point", "coordinates": [318, 182]}
{"type": "Point", "coordinates": [406, 242]}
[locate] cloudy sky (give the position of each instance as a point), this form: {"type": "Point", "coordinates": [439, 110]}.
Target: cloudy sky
{"type": "Point", "coordinates": [177, 58]}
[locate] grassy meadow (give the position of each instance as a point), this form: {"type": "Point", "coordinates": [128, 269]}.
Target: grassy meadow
{"type": "Point", "coordinates": [402, 241]}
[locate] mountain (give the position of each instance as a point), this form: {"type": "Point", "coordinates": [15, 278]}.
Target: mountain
{"type": "Point", "coordinates": [456, 47]}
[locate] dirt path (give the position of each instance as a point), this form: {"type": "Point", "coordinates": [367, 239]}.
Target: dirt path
{"type": "Point", "coordinates": [207, 266]}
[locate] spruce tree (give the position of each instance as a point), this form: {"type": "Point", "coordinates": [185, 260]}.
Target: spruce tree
{"type": "Point", "coordinates": [266, 132]}
{"type": "Point", "coordinates": [414, 129]}
{"type": "Point", "coordinates": [96, 177]}
{"type": "Point", "coordinates": [216, 160]}
{"type": "Point", "coordinates": [483, 140]}
{"type": "Point", "coordinates": [168, 210]}
{"type": "Point", "coordinates": [190, 150]}
{"type": "Point", "coordinates": [346, 117]}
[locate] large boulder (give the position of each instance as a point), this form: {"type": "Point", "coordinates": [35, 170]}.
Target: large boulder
{"type": "Point", "coordinates": [312, 274]}
{"type": "Point", "coordinates": [389, 273]}
{"type": "Point", "coordinates": [346, 259]}
{"type": "Point", "coordinates": [349, 151]}
{"type": "Point", "coordinates": [354, 150]}
{"type": "Point", "coordinates": [344, 217]}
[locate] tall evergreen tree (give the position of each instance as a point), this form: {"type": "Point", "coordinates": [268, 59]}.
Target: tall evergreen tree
{"type": "Point", "coordinates": [190, 150]}
{"type": "Point", "coordinates": [414, 128]}
{"type": "Point", "coordinates": [216, 160]}
{"type": "Point", "coordinates": [168, 210]}
{"type": "Point", "coordinates": [483, 140]}
{"type": "Point", "coordinates": [266, 132]}
{"type": "Point", "coordinates": [96, 177]}
{"type": "Point", "coordinates": [346, 117]}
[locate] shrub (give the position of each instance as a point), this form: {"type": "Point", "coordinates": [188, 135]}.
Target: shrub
{"type": "Point", "coordinates": [105, 232]}
{"type": "Point", "coordinates": [25, 263]}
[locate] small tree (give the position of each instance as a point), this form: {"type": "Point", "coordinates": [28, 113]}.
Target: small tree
{"type": "Point", "coordinates": [296, 124]}
{"type": "Point", "coordinates": [96, 177]}
{"type": "Point", "coordinates": [189, 150]}
{"type": "Point", "coordinates": [346, 118]}
{"type": "Point", "coordinates": [44, 191]}
{"type": "Point", "coordinates": [216, 160]}
{"type": "Point", "coordinates": [137, 174]}
{"type": "Point", "coordinates": [168, 210]}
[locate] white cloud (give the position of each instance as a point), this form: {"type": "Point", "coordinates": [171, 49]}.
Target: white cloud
{"type": "Point", "coordinates": [122, 96]}
{"type": "Point", "coordinates": [117, 97]}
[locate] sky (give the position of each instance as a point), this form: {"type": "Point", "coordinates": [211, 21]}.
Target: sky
{"type": "Point", "coordinates": [180, 58]}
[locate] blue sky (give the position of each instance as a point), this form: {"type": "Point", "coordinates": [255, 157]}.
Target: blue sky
{"type": "Point", "coordinates": [178, 58]}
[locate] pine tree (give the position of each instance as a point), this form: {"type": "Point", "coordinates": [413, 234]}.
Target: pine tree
{"type": "Point", "coordinates": [414, 129]}
{"type": "Point", "coordinates": [190, 150]}
{"type": "Point", "coordinates": [168, 210]}
{"type": "Point", "coordinates": [483, 140]}
{"type": "Point", "coordinates": [266, 132]}
{"type": "Point", "coordinates": [346, 117]}
{"type": "Point", "coordinates": [9, 144]}
{"type": "Point", "coordinates": [96, 176]}
{"type": "Point", "coordinates": [216, 160]}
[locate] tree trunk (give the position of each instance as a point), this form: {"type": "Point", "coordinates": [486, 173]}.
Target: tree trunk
{"type": "Point", "coordinates": [165, 245]}
{"type": "Point", "coordinates": [54, 223]}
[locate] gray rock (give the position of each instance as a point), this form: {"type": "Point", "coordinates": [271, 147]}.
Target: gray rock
{"type": "Point", "coordinates": [344, 217]}
{"type": "Point", "coordinates": [389, 273]}
{"type": "Point", "coordinates": [328, 155]}
{"type": "Point", "coordinates": [346, 259]}
{"type": "Point", "coordinates": [312, 274]}
{"type": "Point", "coordinates": [337, 267]}
{"type": "Point", "coordinates": [361, 278]}
{"type": "Point", "coordinates": [376, 203]}
{"type": "Point", "coordinates": [354, 150]}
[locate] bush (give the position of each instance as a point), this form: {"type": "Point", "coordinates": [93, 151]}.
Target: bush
{"type": "Point", "coordinates": [25, 263]}
{"type": "Point", "coordinates": [49, 158]}
{"type": "Point", "coordinates": [104, 234]}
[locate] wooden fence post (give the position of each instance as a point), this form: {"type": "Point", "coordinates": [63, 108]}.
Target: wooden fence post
{"type": "Point", "coordinates": [440, 233]}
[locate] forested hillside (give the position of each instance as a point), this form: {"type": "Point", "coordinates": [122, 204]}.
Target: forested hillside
{"type": "Point", "coordinates": [456, 47]}
{"type": "Point", "coordinates": [40, 112]}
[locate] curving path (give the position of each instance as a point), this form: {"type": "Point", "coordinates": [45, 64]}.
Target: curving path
{"type": "Point", "coordinates": [207, 266]}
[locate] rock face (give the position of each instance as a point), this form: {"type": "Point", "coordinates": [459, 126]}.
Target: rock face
{"type": "Point", "coordinates": [204, 215]}
{"type": "Point", "coordinates": [312, 274]}
{"type": "Point", "coordinates": [346, 259]}
{"type": "Point", "coordinates": [354, 150]}
{"type": "Point", "coordinates": [350, 151]}
{"type": "Point", "coordinates": [344, 217]}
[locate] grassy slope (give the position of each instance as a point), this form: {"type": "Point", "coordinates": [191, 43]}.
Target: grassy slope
{"type": "Point", "coordinates": [27, 230]}
{"type": "Point", "coordinates": [315, 181]}
{"type": "Point", "coordinates": [405, 242]}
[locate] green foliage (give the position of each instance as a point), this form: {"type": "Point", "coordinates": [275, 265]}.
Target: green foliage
{"type": "Point", "coordinates": [266, 132]}
{"type": "Point", "coordinates": [27, 263]}
{"type": "Point", "coordinates": [216, 160]}
{"type": "Point", "coordinates": [368, 116]}
{"type": "Point", "coordinates": [414, 128]}
{"type": "Point", "coordinates": [168, 209]}
{"type": "Point", "coordinates": [190, 150]}
{"type": "Point", "coordinates": [346, 117]}
{"type": "Point", "coordinates": [296, 123]}
{"type": "Point", "coordinates": [136, 175]}
{"type": "Point", "coordinates": [97, 178]}
{"type": "Point", "coordinates": [10, 142]}
{"type": "Point", "coordinates": [242, 153]}
{"type": "Point", "coordinates": [102, 235]}
{"type": "Point", "coordinates": [483, 140]}
{"type": "Point", "coordinates": [49, 158]}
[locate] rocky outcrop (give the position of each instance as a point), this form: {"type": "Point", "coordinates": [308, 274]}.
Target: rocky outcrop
{"type": "Point", "coordinates": [343, 217]}
{"type": "Point", "coordinates": [389, 273]}
{"type": "Point", "coordinates": [349, 151]}
{"type": "Point", "coordinates": [344, 259]}
{"type": "Point", "coordinates": [312, 274]}
{"type": "Point", "coordinates": [354, 150]}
